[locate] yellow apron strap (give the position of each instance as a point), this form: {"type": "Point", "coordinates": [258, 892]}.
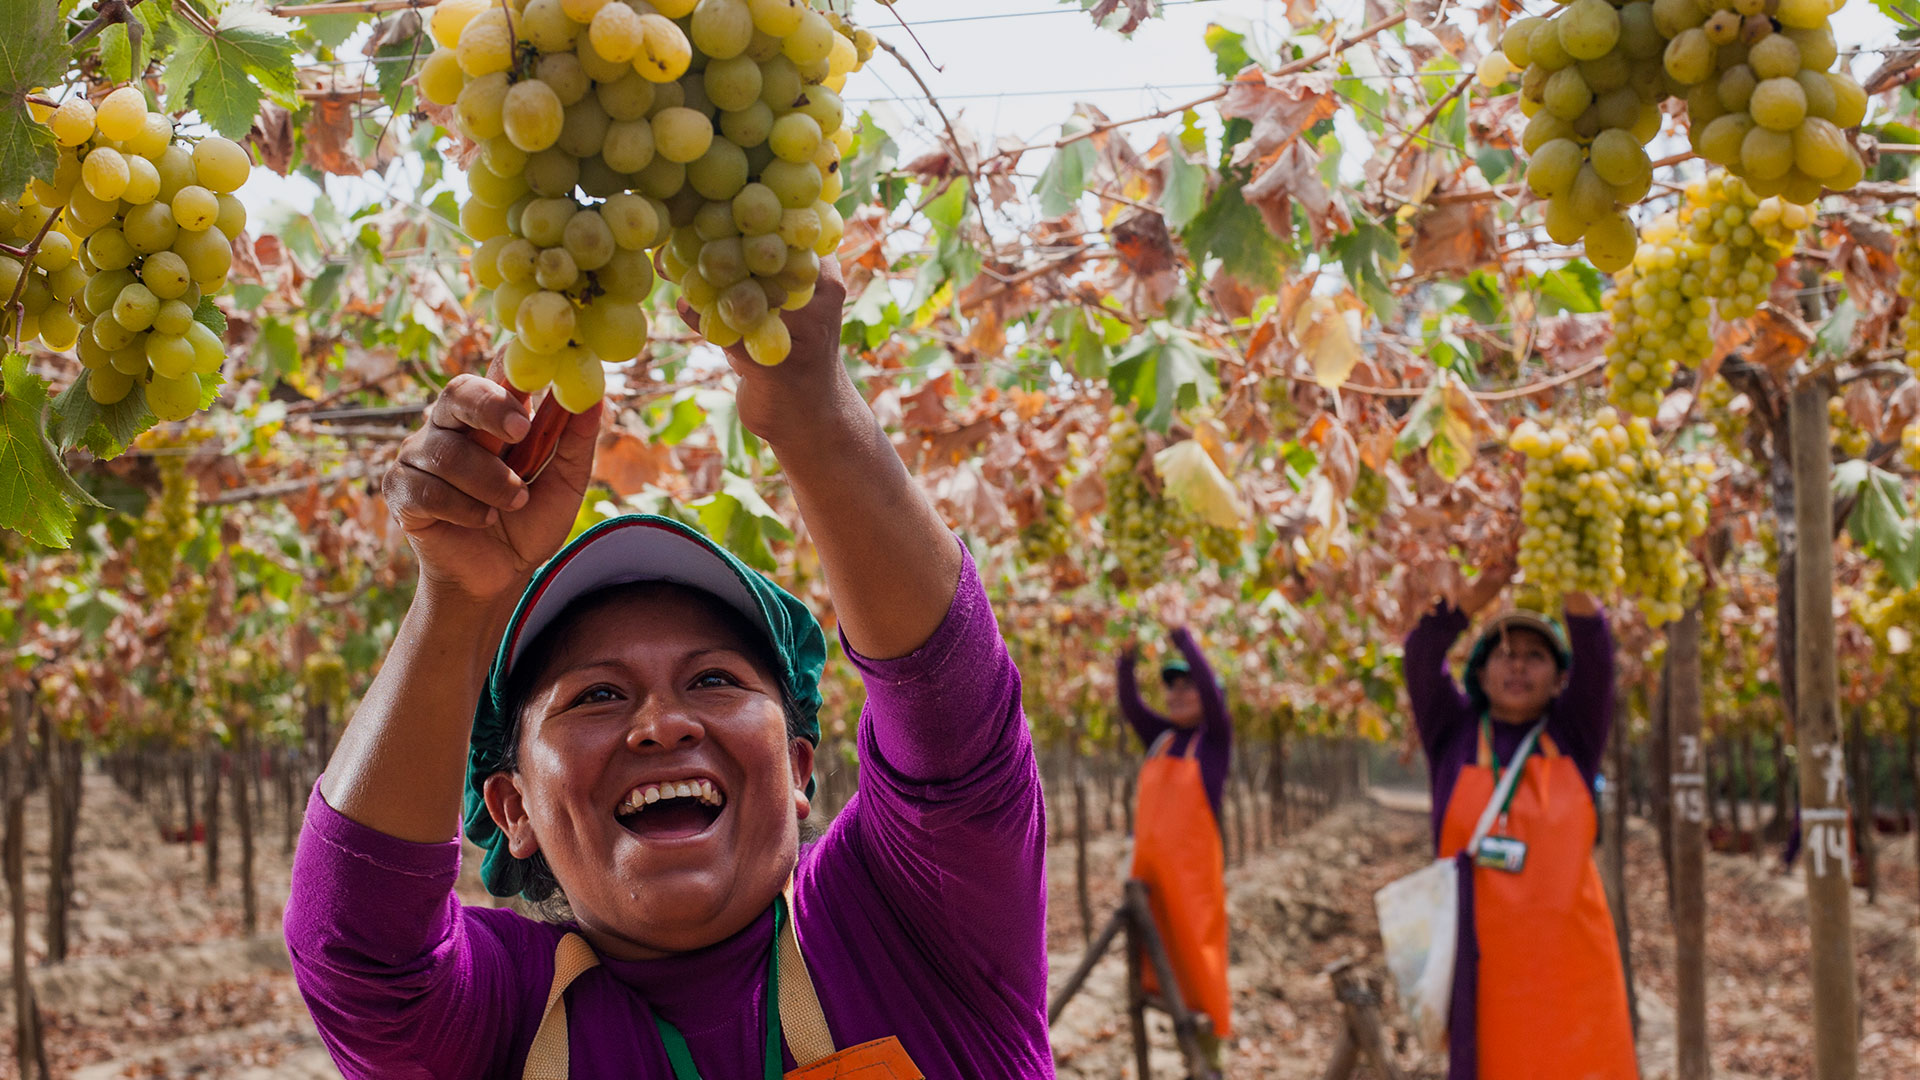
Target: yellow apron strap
{"type": "Point", "coordinates": [547, 1057]}
{"type": "Point", "coordinates": [803, 1024]}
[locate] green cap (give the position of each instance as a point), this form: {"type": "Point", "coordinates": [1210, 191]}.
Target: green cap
{"type": "Point", "coordinates": [620, 551]}
{"type": "Point", "coordinates": [1174, 667]}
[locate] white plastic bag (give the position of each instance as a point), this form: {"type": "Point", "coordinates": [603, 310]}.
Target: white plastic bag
{"type": "Point", "coordinates": [1419, 923]}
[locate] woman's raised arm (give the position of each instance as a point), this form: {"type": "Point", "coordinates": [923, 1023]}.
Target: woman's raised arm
{"type": "Point", "coordinates": [479, 533]}
{"type": "Point", "coordinates": [890, 562]}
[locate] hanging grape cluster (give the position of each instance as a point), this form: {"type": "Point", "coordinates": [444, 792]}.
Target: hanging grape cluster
{"type": "Point", "coordinates": [1718, 256]}
{"type": "Point", "coordinates": [1907, 255]}
{"type": "Point", "coordinates": [131, 235]}
{"type": "Point", "coordinates": [1048, 536]}
{"type": "Point", "coordinates": [167, 527]}
{"type": "Point", "coordinates": [710, 130]}
{"type": "Point", "coordinates": [1140, 524]}
{"type": "Point", "coordinates": [1664, 511]}
{"type": "Point", "coordinates": [1605, 510]}
{"type": "Point", "coordinates": [1760, 99]}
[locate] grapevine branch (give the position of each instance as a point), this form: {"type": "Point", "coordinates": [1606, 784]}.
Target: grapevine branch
{"type": "Point", "coordinates": [1339, 46]}
{"type": "Point", "coordinates": [959, 151]}
{"type": "Point", "coordinates": [1422, 124]}
{"type": "Point", "coordinates": [1508, 394]}
{"type": "Point", "coordinates": [15, 305]}
{"type": "Point", "coordinates": [347, 7]}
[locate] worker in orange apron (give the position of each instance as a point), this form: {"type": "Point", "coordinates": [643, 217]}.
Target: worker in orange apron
{"type": "Point", "coordinates": [1177, 848]}
{"type": "Point", "coordinates": [1539, 992]}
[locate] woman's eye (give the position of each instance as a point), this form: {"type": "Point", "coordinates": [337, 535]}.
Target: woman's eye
{"type": "Point", "coordinates": [594, 695]}
{"type": "Point", "coordinates": [715, 678]}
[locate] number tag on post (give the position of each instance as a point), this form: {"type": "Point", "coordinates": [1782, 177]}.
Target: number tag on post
{"type": "Point", "coordinates": [1502, 853]}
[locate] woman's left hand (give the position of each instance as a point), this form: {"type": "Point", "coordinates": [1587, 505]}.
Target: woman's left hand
{"type": "Point", "coordinates": [787, 402]}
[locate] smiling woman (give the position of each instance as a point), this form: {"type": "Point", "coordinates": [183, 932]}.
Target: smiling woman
{"type": "Point", "coordinates": [630, 723]}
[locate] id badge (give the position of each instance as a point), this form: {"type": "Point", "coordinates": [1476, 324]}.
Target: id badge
{"type": "Point", "coordinates": [1501, 853]}
{"type": "Point", "coordinates": [881, 1059]}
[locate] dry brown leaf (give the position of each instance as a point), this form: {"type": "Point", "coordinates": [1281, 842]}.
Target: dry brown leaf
{"type": "Point", "coordinates": [1779, 339]}
{"type": "Point", "coordinates": [1327, 329]}
{"type": "Point", "coordinates": [1293, 175]}
{"type": "Point", "coordinates": [1456, 238]}
{"type": "Point", "coordinates": [1279, 109]}
{"type": "Point", "coordinates": [272, 138]}
{"type": "Point", "coordinates": [626, 463]}
{"type": "Point", "coordinates": [1138, 11]}
{"type": "Point", "coordinates": [1863, 406]}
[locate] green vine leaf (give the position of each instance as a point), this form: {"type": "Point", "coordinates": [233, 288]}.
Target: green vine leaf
{"type": "Point", "coordinates": [225, 75]}
{"type": "Point", "coordinates": [33, 54]}
{"type": "Point", "coordinates": [37, 496]}
{"type": "Point", "coordinates": [105, 431]}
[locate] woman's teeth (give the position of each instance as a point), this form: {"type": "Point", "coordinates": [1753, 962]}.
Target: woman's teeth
{"type": "Point", "coordinates": [645, 795]}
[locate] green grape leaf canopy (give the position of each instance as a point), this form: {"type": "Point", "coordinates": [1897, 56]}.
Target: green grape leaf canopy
{"type": "Point", "coordinates": [32, 54]}
{"type": "Point", "coordinates": [37, 497]}
{"type": "Point", "coordinates": [226, 74]}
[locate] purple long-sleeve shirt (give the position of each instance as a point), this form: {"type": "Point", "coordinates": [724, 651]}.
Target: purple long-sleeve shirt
{"type": "Point", "coordinates": [922, 913]}
{"type": "Point", "coordinates": [1579, 720]}
{"type": "Point", "coordinates": [1215, 730]}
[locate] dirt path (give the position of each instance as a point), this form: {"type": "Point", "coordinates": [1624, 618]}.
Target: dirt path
{"type": "Point", "coordinates": [162, 984]}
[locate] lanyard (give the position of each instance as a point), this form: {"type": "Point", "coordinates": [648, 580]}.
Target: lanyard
{"type": "Point", "coordinates": [1526, 750]}
{"type": "Point", "coordinates": [681, 1058]}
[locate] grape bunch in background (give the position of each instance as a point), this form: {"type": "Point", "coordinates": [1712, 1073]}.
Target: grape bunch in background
{"type": "Point", "coordinates": [708, 131]}
{"type": "Point", "coordinates": [132, 233]}
{"type": "Point", "coordinates": [1140, 526]}
{"type": "Point", "coordinates": [1755, 75]}
{"type": "Point", "coordinates": [1906, 255]}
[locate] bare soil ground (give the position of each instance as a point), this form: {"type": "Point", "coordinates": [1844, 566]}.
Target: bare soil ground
{"type": "Point", "coordinates": [162, 983]}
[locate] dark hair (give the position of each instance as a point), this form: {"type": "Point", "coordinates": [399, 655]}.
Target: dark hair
{"type": "Point", "coordinates": [1483, 648]}
{"type": "Point", "coordinates": [543, 888]}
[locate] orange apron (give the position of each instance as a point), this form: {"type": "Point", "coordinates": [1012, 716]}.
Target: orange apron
{"type": "Point", "coordinates": [1552, 1002]}
{"type": "Point", "coordinates": [1177, 853]}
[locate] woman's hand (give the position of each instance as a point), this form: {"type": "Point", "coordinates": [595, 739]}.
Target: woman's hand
{"type": "Point", "coordinates": [1494, 577]}
{"type": "Point", "coordinates": [786, 403]}
{"type": "Point", "coordinates": [477, 529]}
{"type": "Point", "coordinates": [1581, 605]}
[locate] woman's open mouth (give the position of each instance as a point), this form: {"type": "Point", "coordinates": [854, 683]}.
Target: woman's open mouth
{"type": "Point", "coordinates": [671, 810]}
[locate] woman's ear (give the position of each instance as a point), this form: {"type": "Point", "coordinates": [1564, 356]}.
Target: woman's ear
{"type": "Point", "coordinates": [508, 809]}
{"type": "Point", "coordinates": [800, 763]}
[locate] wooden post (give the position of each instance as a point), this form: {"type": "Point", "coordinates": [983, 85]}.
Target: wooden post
{"type": "Point", "coordinates": [1690, 794]}
{"type": "Point", "coordinates": [1080, 870]}
{"type": "Point", "coordinates": [1613, 863]}
{"type": "Point", "coordinates": [1913, 764]}
{"type": "Point", "coordinates": [245, 763]}
{"type": "Point", "coordinates": [1750, 793]}
{"type": "Point", "coordinates": [1863, 803]}
{"type": "Point", "coordinates": [1823, 766]}
{"type": "Point", "coordinates": [1660, 769]}
{"type": "Point", "coordinates": [1136, 997]}
{"type": "Point", "coordinates": [213, 816]}
{"type": "Point", "coordinates": [29, 1056]}
{"type": "Point", "coordinates": [186, 799]}
{"type": "Point", "coordinates": [59, 843]}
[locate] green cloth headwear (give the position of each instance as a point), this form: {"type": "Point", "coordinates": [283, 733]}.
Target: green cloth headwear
{"type": "Point", "coordinates": [1545, 625]}
{"type": "Point", "coordinates": [1174, 666]}
{"type": "Point", "coordinates": [619, 551]}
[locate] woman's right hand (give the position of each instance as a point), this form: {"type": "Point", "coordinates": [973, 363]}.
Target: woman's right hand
{"type": "Point", "coordinates": [476, 528]}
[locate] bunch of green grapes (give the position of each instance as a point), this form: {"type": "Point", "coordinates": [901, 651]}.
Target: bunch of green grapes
{"type": "Point", "coordinates": [1214, 542]}
{"type": "Point", "coordinates": [1907, 255]}
{"type": "Point", "coordinates": [1050, 535]}
{"type": "Point", "coordinates": [1762, 99]}
{"type": "Point", "coordinates": [1660, 317]}
{"type": "Point", "coordinates": [1910, 445]}
{"type": "Point", "coordinates": [1591, 86]}
{"type": "Point", "coordinates": [1571, 504]}
{"type": "Point", "coordinates": [1744, 235]}
{"type": "Point", "coordinates": [1846, 436]}
{"type": "Point", "coordinates": [167, 527]}
{"type": "Point", "coordinates": [1884, 609]}
{"type": "Point", "coordinates": [1140, 525]}
{"type": "Point", "coordinates": [145, 228]}
{"type": "Point", "coordinates": [710, 130]}
{"type": "Point", "coordinates": [1665, 509]}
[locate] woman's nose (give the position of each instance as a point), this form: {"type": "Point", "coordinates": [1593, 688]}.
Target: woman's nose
{"type": "Point", "coordinates": [663, 724]}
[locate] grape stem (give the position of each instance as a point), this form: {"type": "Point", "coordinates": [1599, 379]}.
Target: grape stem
{"type": "Point", "coordinates": [1424, 122]}
{"type": "Point", "coordinates": [959, 151]}
{"type": "Point", "coordinates": [347, 7]}
{"type": "Point", "coordinates": [14, 304]}
{"type": "Point", "coordinates": [916, 40]}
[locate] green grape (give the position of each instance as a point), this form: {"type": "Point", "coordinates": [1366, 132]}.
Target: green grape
{"type": "Point", "coordinates": [173, 317]}
{"type": "Point", "coordinates": [732, 84]}
{"type": "Point", "coordinates": [825, 107]}
{"type": "Point", "coordinates": [722, 29]}
{"type": "Point", "coordinates": [544, 221]}
{"type": "Point", "coordinates": [583, 133]}
{"type": "Point", "coordinates": [629, 145]}
{"type": "Point", "coordinates": [545, 321]}
{"type": "Point", "coordinates": [494, 188]}
{"type": "Point", "coordinates": [195, 208]}
{"type": "Point", "coordinates": [665, 53]}
{"type": "Point", "coordinates": [578, 380]}
{"type": "Point", "coordinates": [566, 75]}
{"type": "Point", "coordinates": [768, 341]}
{"type": "Point", "coordinates": [105, 173]}
{"type": "Point", "coordinates": [72, 121]}
{"type": "Point", "coordinates": [748, 127]}
{"type": "Point", "coordinates": [1734, 91]}
{"type": "Point", "coordinates": [553, 173]}
{"type": "Point", "coordinates": [173, 399]}
{"type": "Point", "coordinates": [1766, 154]}
{"type": "Point", "coordinates": [615, 332]}
{"type": "Point", "coordinates": [480, 104]}
{"type": "Point", "coordinates": [485, 263]}
{"type": "Point", "coordinates": [107, 386]}
{"type": "Point", "coordinates": [810, 41]}
{"type": "Point", "coordinates": [720, 173]}
{"type": "Point", "coordinates": [175, 166]}
{"type": "Point", "coordinates": [440, 77]}
{"type": "Point", "coordinates": [544, 25]}
{"type": "Point", "coordinates": [1778, 104]}
{"type": "Point", "coordinates": [1588, 29]}
{"type": "Point", "coordinates": [714, 220]}
{"type": "Point", "coordinates": [796, 137]}
{"type": "Point", "coordinates": [209, 254]}
{"type": "Point", "coordinates": [122, 114]}
{"type": "Point", "coordinates": [681, 135]}
{"type": "Point", "coordinates": [1722, 140]}
{"type": "Point", "coordinates": [486, 46]}
{"type": "Point", "coordinates": [135, 308]}
{"type": "Point", "coordinates": [780, 84]}
{"type": "Point", "coordinates": [723, 262]}
{"type": "Point", "coordinates": [148, 228]}
{"type": "Point", "coordinates": [1819, 148]}
{"type": "Point", "coordinates": [1689, 57]}
{"type": "Point", "coordinates": [220, 165]}
{"type": "Point", "coordinates": [514, 261]}
{"type": "Point", "coordinates": [531, 114]}
{"type": "Point", "coordinates": [530, 372]}
{"type": "Point", "coordinates": [765, 255]}
{"type": "Point", "coordinates": [776, 18]}
{"type": "Point", "coordinates": [143, 181]}
{"type": "Point", "coordinates": [171, 355]}
{"type": "Point", "coordinates": [628, 275]}
{"type": "Point", "coordinates": [588, 239]}
{"type": "Point", "coordinates": [797, 185]}
{"type": "Point", "coordinates": [1776, 56]}
{"type": "Point", "coordinates": [555, 271]}
{"type": "Point", "coordinates": [165, 275]}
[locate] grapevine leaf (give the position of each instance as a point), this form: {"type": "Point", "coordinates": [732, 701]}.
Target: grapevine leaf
{"type": "Point", "coordinates": [1880, 522]}
{"type": "Point", "coordinates": [1159, 375]}
{"type": "Point", "coordinates": [1836, 334]}
{"type": "Point", "coordinates": [738, 517]}
{"type": "Point", "coordinates": [1422, 421]}
{"type": "Point", "coordinates": [33, 54]}
{"type": "Point", "coordinates": [209, 315]}
{"type": "Point", "coordinates": [1574, 287]}
{"type": "Point", "coordinates": [1186, 191]}
{"type": "Point", "coordinates": [393, 75]}
{"type": "Point", "coordinates": [1064, 179]}
{"type": "Point", "coordinates": [226, 75]}
{"type": "Point", "coordinates": [37, 496]}
{"type": "Point", "coordinates": [1233, 232]}
{"type": "Point", "coordinates": [1229, 48]}
{"type": "Point", "coordinates": [104, 430]}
